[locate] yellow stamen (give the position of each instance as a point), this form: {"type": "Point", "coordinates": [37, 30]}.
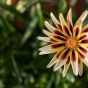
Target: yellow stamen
{"type": "Point", "coordinates": [71, 42]}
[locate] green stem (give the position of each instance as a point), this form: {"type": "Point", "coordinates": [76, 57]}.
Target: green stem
{"type": "Point", "coordinates": [16, 69]}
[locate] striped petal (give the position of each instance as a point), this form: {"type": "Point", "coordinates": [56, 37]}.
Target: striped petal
{"type": "Point", "coordinates": [59, 27]}
{"type": "Point", "coordinates": [74, 61]}
{"type": "Point", "coordinates": [85, 29]}
{"type": "Point", "coordinates": [52, 62]}
{"type": "Point", "coordinates": [85, 41]}
{"type": "Point", "coordinates": [56, 22]}
{"type": "Point", "coordinates": [55, 59]}
{"type": "Point", "coordinates": [76, 31]}
{"type": "Point", "coordinates": [57, 32]}
{"type": "Point", "coordinates": [59, 38]}
{"type": "Point", "coordinates": [47, 48]}
{"type": "Point", "coordinates": [83, 56]}
{"type": "Point", "coordinates": [85, 61]}
{"type": "Point", "coordinates": [69, 20]}
{"type": "Point", "coordinates": [66, 66]}
{"type": "Point", "coordinates": [56, 46]}
{"type": "Point", "coordinates": [49, 39]}
{"type": "Point", "coordinates": [78, 25]}
{"type": "Point", "coordinates": [64, 25]}
{"type": "Point", "coordinates": [61, 59]}
{"type": "Point", "coordinates": [83, 44]}
{"type": "Point", "coordinates": [83, 49]}
{"type": "Point", "coordinates": [82, 36]}
{"type": "Point", "coordinates": [52, 48]}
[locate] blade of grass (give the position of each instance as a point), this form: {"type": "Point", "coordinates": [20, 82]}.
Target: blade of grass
{"type": "Point", "coordinates": [16, 69]}
{"type": "Point", "coordinates": [40, 15]}
{"type": "Point", "coordinates": [29, 30]}
{"type": "Point", "coordinates": [6, 24]}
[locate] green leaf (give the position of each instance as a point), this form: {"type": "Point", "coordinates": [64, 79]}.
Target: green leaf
{"type": "Point", "coordinates": [57, 79]}
{"type": "Point", "coordinates": [6, 24]}
{"type": "Point", "coordinates": [62, 6]}
{"type": "Point", "coordinates": [15, 68]}
{"type": "Point", "coordinates": [2, 84]}
{"type": "Point", "coordinates": [29, 30]}
{"type": "Point", "coordinates": [49, 84]}
{"type": "Point", "coordinates": [40, 15]}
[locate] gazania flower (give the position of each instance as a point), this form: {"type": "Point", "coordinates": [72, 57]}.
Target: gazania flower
{"type": "Point", "coordinates": [69, 43]}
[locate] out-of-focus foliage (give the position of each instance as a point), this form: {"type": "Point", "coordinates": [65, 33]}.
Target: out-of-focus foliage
{"type": "Point", "coordinates": [21, 21]}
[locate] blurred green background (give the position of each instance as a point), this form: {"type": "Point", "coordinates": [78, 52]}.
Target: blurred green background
{"type": "Point", "coordinates": [21, 21]}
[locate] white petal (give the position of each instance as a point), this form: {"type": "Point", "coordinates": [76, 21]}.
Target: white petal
{"type": "Point", "coordinates": [53, 61]}
{"type": "Point", "coordinates": [69, 15]}
{"type": "Point", "coordinates": [45, 52]}
{"type": "Point", "coordinates": [80, 65]}
{"type": "Point", "coordinates": [51, 28]}
{"type": "Point", "coordinates": [46, 48]}
{"type": "Point", "coordinates": [54, 19]}
{"type": "Point", "coordinates": [60, 61]}
{"type": "Point", "coordinates": [82, 17]}
{"type": "Point", "coordinates": [55, 58]}
{"type": "Point", "coordinates": [85, 61]}
{"type": "Point", "coordinates": [62, 21]}
{"type": "Point", "coordinates": [59, 64]}
{"type": "Point", "coordinates": [74, 67]}
{"type": "Point", "coordinates": [46, 32]}
{"type": "Point", "coordinates": [75, 64]}
{"type": "Point", "coordinates": [66, 66]}
{"type": "Point", "coordinates": [47, 39]}
{"type": "Point", "coordinates": [85, 57]}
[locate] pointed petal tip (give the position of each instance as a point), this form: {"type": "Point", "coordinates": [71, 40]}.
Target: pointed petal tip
{"type": "Point", "coordinates": [76, 73]}
{"type": "Point", "coordinates": [60, 14]}
{"type": "Point", "coordinates": [86, 12]}
{"type": "Point", "coordinates": [38, 37]}
{"type": "Point", "coordinates": [54, 69]}
{"type": "Point", "coordinates": [45, 22]}
{"type": "Point", "coordinates": [54, 19]}
{"type": "Point", "coordinates": [70, 10]}
{"type": "Point", "coordinates": [51, 63]}
{"type": "Point", "coordinates": [80, 74]}
{"type": "Point", "coordinates": [40, 53]}
{"type": "Point", "coordinates": [63, 75]}
{"type": "Point", "coordinates": [39, 49]}
{"type": "Point", "coordinates": [48, 66]}
{"type": "Point", "coordinates": [83, 16]}
{"type": "Point", "coordinates": [51, 13]}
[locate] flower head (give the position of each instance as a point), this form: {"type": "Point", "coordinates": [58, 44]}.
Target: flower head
{"type": "Point", "coordinates": [69, 43]}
